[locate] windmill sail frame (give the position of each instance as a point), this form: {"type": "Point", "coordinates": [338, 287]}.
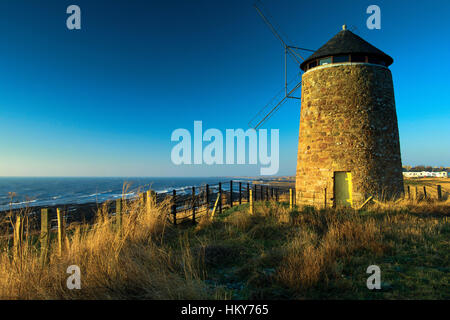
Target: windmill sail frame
{"type": "Point", "coordinates": [288, 94]}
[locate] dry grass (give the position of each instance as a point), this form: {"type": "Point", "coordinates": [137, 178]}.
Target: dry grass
{"type": "Point", "coordinates": [431, 187]}
{"type": "Point", "coordinates": [274, 253]}
{"type": "Point", "coordinates": [132, 264]}
{"type": "Point", "coordinates": [414, 206]}
{"type": "Point", "coordinates": [312, 255]}
{"type": "Point", "coordinates": [315, 255]}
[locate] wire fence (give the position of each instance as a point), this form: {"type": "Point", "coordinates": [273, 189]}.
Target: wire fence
{"type": "Point", "coordinates": [201, 199]}
{"type": "Point", "coordinates": [186, 206]}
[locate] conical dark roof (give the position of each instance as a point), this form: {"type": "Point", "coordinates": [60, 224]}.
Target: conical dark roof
{"type": "Point", "coordinates": [346, 42]}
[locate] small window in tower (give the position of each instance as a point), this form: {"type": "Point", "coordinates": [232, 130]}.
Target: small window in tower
{"type": "Point", "coordinates": [374, 60]}
{"type": "Point", "coordinates": [341, 58]}
{"type": "Point", "coordinates": [325, 61]}
{"type": "Point", "coordinates": [358, 58]}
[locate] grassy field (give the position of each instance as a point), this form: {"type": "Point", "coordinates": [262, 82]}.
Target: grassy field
{"type": "Point", "coordinates": [275, 253]}
{"type": "Point", "coordinates": [444, 182]}
{"type": "Point", "coordinates": [418, 186]}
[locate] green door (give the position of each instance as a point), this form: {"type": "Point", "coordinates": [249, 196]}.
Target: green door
{"type": "Point", "coordinates": [343, 189]}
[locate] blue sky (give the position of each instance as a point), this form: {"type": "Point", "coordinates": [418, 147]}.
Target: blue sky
{"type": "Point", "coordinates": [104, 100]}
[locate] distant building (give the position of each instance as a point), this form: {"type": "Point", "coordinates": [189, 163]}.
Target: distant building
{"type": "Point", "coordinates": [422, 174]}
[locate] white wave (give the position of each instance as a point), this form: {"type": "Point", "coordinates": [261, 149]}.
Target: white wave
{"type": "Point", "coordinates": [23, 202]}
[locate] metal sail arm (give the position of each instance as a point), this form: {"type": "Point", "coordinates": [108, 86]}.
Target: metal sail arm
{"type": "Point", "coordinates": [275, 108]}
{"type": "Point", "coordinates": [297, 54]}
{"type": "Point", "coordinates": [263, 109]}
{"type": "Point", "coordinates": [293, 90]}
{"type": "Point", "coordinates": [268, 106]}
{"type": "Point", "coordinates": [288, 48]}
{"type": "Point", "coordinates": [271, 112]}
{"type": "Point", "coordinates": [291, 50]}
{"type": "Point", "coordinates": [293, 47]}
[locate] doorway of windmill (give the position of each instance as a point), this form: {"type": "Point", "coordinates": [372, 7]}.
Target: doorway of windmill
{"type": "Point", "coordinates": [342, 189]}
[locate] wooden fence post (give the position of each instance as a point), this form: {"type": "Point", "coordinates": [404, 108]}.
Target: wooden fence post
{"type": "Point", "coordinates": [254, 192]}
{"type": "Point", "coordinates": [193, 205]}
{"type": "Point", "coordinates": [325, 198]}
{"type": "Point", "coordinates": [261, 193]}
{"type": "Point", "coordinates": [248, 192]}
{"type": "Point", "coordinates": [231, 193]}
{"type": "Point", "coordinates": [18, 237]}
{"type": "Point", "coordinates": [267, 193]}
{"type": "Point", "coordinates": [220, 197]}
{"type": "Point", "coordinates": [271, 193]}
{"type": "Point", "coordinates": [251, 208]}
{"type": "Point", "coordinates": [215, 206]}
{"type": "Point", "coordinates": [207, 198]}
{"type": "Point", "coordinates": [417, 194]}
{"type": "Point", "coordinates": [150, 200]}
{"type": "Point", "coordinates": [276, 194]}
{"type": "Point", "coordinates": [147, 197]}
{"type": "Point", "coordinates": [240, 193]}
{"type": "Point", "coordinates": [174, 207]}
{"type": "Point", "coordinates": [290, 199]}
{"type": "Point", "coordinates": [119, 214]}
{"type": "Point", "coordinates": [142, 197]}
{"type": "Point", "coordinates": [425, 191]}
{"type": "Point", "coordinates": [61, 233]}
{"type": "Point", "coordinates": [409, 193]}
{"type": "Point", "coordinates": [45, 234]}
{"type": "Point", "coordinates": [439, 192]}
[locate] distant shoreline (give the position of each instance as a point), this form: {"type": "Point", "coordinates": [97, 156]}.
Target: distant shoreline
{"type": "Point", "coordinates": [49, 191]}
{"type": "Point", "coordinates": [87, 210]}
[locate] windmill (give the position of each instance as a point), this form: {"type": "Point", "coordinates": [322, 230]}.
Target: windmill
{"type": "Point", "coordinates": [275, 103]}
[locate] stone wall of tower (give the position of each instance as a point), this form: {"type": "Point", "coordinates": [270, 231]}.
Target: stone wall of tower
{"type": "Point", "coordinates": [348, 122]}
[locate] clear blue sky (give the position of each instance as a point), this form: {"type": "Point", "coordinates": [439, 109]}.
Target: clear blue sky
{"type": "Point", "coordinates": [103, 101]}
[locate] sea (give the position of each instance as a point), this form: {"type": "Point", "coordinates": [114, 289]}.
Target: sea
{"type": "Point", "coordinates": [19, 192]}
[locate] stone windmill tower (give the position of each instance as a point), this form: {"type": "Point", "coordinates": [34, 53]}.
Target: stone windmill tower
{"type": "Point", "coordinates": [349, 145]}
